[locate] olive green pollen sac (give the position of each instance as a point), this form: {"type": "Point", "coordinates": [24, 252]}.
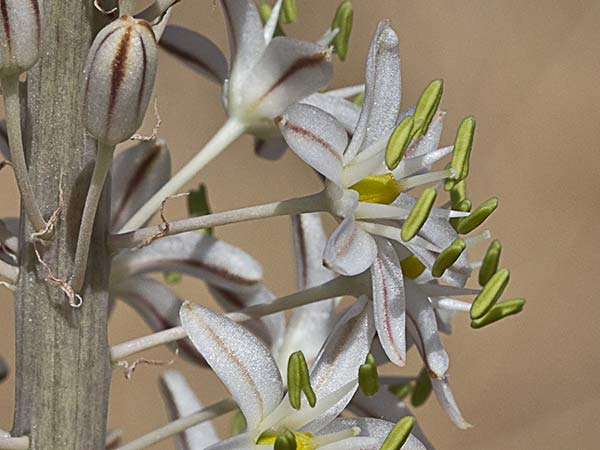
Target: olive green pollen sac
{"type": "Point", "coordinates": [478, 216]}
{"type": "Point", "coordinates": [401, 390]}
{"type": "Point", "coordinates": [447, 257]}
{"type": "Point", "coordinates": [399, 434]}
{"type": "Point", "coordinates": [344, 16]}
{"type": "Point", "coordinates": [463, 206]}
{"type": "Point", "coordinates": [422, 389]}
{"type": "Point", "coordinates": [398, 142]}
{"type": "Point", "coordinates": [458, 193]}
{"type": "Point", "coordinates": [285, 441]}
{"type": "Point", "coordinates": [499, 312]}
{"type": "Point", "coordinates": [238, 424]}
{"type": "Point", "coordinates": [427, 105]}
{"type": "Point", "coordinates": [289, 11]}
{"type": "Point", "coordinates": [368, 379]}
{"type": "Point", "coordinates": [490, 294]}
{"type": "Point", "coordinates": [491, 260]}
{"type": "Point", "coordinates": [461, 153]}
{"type": "Point", "coordinates": [298, 381]}
{"type": "Point", "coordinates": [418, 214]}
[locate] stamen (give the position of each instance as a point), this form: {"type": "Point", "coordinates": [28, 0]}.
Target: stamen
{"type": "Point", "coordinates": [399, 434]}
{"type": "Point", "coordinates": [450, 304]}
{"type": "Point", "coordinates": [343, 22]}
{"type": "Point", "coordinates": [462, 150]}
{"type": "Point", "coordinates": [476, 239]}
{"type": "Point", "coordinates": [418, 215]}
{"type": "Point", "coordinates": [448, 257]}
{"type": "Point", "coordinates": [490, 294]}
{"type": "Point", "coordinates": [392, 233]}
{"type": "Point", "coordinates": [478, 216]}
{"type": "Point", "coordinates": [489, 265]}
{"type": "Point", "coordinates": [427, 105]}
{"type": "Point", "coordinates": [398, 143]}
{"type": "Point", "coordinates": [368, 379]}
{"type": "Point", "coordinates": [409, 166]}
{"type": "Point", "coordinates": [500, 311]}
{"type": "Point", "coordinates": [298, 380]}
{"type": "Point", "coordinates": [412, 267]}
{"type": "Point", "coordinates": [417, 180]}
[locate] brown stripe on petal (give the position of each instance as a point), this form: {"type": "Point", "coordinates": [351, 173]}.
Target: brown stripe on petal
{"type": "Point", "coordinates": [93, 63]}
{"type": "Point", "coordinates": [143, 83]}
{"type": "Point", "coordinates": [136, 180]}
{"type": "Point", "coordinates": [311, 136]}
{"type": "Point", "coordinates": [6, 23]}
{"type": "Point", "coordinates": [36, 11]}
{"type": "Point", "coordinates": [386, 313]}
{"type": "Point", "coordinates": [299, 65]}
{"type": "Point", "coordinates": [190, 59]}
{"type": "Point", "coordinates": [217, 271]}
{"type": "Point", "coordinates": [118, 72]}
{"type": "Point", "coordinates": [301, 240]}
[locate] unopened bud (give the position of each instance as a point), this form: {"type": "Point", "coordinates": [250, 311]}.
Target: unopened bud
{"type": "Point", "coordinates": [120, 73]}
{"type": "Point", "coordinates": [19, 35]}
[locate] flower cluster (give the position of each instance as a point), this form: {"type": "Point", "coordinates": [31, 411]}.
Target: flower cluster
{"type": "Point", "coordinates": [398, 251]}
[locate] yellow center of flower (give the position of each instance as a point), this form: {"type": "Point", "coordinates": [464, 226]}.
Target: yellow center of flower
{"type": "Point", "coordinates": [377, 189]}
{"type": "Point", "coordinates": [304, 441]}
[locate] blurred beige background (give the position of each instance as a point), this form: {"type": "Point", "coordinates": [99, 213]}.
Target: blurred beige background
{"type": "Point", "coordinates": [528, 70]}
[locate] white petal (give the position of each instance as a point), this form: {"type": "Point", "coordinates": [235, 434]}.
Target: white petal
{"type": "Point", "coordinates": [239, 359]}
{"type": "Point", "coordinates": [309, 325]}
{"type": "Point", "coordinates": [199, 255]}
{"type": "Point", "coordinates": [442, 391]}
{"type": "Point", "coordinates": [158, 306]}
{"type": "Point", "coordinates": [239, 442]}
{"type": "Point", "coordinates": [383, 405]}
{"type": "Point", "coordinates": [382, 91]}
{"type": "Point", "coordinates": [316, 137]}
{"type": "Point", "coordinates": [338, 362]}
{"type": "Point", "coordinates": [421, 316]}
{"type": "Point", "coordinates": [137, 174]}
{"type": "Point", "coordinates": [288, 71]}
{"type": "Point", "coordinates": [389, 302]}
{"type": "Point", "coordinates": [246, 39]}
{"type": "Point", "coordinates": [354, 443]}
{"type": "Point", "coordinates": [269, 328]}
{"type": "Point", "coordinates": [350, 250]}
{"type": "Point", "coordinates": [181, 401]}
{"type": "Point", "coordinates": [346, 112]}
{"type": "Point", "coordinates": [271, 149]}
{"type": "Point", "coordinates": [195, 51]}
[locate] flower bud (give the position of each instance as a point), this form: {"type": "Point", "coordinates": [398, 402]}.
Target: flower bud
{"type": "Point", "coordinates": [19, 35]}
{"type": "Point", "coordinates": [120, 73]}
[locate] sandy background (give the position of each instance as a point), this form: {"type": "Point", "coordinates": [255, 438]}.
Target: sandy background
{"type": "Point", "coordinates": [528, 71]}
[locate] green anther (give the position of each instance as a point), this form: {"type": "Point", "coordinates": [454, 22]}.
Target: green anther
{"type": "Point", "coordinates": [428, 104]}
{"type": "Point", "coordinates": [399, 434]}
{"type": "Point", "coordinates": [477, 217]}
{"type": "Point", "coordinates": [398, 143]}
{"type": "Point", "coordinates": [298, 381]}
{"type": "Point", "coordinates": [490, 294]}
{"type": "Point", "coordinates": [198, 205]}
{"type": "Point", "coordinates": [422, 389]}
{"type": "Point", "coordinates": [462, 150]}
{"type": "Point", "coordinates": [412, 267]}
{"type": "Point", "coordinates": [489, 266]}
{"type": "Point", "coordinates": [359, 99]}
{"type": "Point", "coordinates": [500, 311]}
{"type": "Point", "coordinates": [238, 424]}
{"type": "Point", "coordinates": [458, 193]}
{"type": "Point", "coordinates": [265, 10]}
{"type": "Point", "coordinates": [285, 441]}
{"type": "Point", "coordinates": [368, 379]}
{"type": "Point", "coordinates": [343, 22]}
{"type": "Point", "coordinates": [464, 206]}
{"type": "Point", "coordinates": [309, 393]}
{"type": "Point", "coordinates": [418, 215]}
{"type": "Point", "coordinates": [289, 11]}
{"type": "Point", "coordinates": [447, 257]}
{"type": "Point", "coordinates": [401, 390]}
{"type": "Point", "coordinates": [172, 277]}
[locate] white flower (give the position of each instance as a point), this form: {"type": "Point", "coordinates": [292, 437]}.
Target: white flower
{"type": "Point", "coordinates": [250, 373]}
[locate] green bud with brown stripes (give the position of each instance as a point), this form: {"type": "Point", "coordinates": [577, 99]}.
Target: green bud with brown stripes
{"type": "Point", "coordinates": [19, 35]}
{"type": "Point", "coordinates": [120, 73]}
